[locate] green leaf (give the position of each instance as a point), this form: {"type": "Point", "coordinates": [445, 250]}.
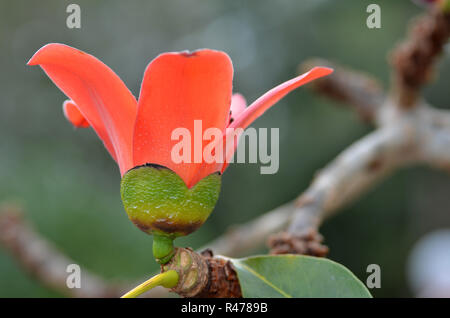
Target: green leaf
{"type": "Point", "coordinates": [296, 276]}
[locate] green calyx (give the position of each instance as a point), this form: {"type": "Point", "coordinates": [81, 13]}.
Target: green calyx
{"type": "Point", "coordinates": [158, 201]}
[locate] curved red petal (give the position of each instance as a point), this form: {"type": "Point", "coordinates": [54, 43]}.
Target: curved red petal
{"type": "Point", "coordinates": [73, 115]}
{"type": "Point", "coordinates": [258, 107]}
{"type": "Point", "coordinates": [76, 118]}
{"type": "Point", "coordinates": [177, 89]}
{"type": "Point", "coordinates": [99, 93]}
{"type": "Point", "coordinates": [238, 105]}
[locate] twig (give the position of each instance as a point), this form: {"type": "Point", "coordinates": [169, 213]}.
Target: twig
{"type": "Point", "coordinates": [247, 237]}
{"type": "Point", "coordinates": [203, 276]}
{"type": "Point", "coordinates": [413, 60]}
{"type": "Point", "coordinates": [47, 264]}
{"type": "Point", "coordinates": [357, 90]}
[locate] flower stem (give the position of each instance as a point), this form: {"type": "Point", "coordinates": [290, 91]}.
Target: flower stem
{"type": "Point", "coordinates": [167, 279]}
{"type": "Point", "coordinates": [163, 249]}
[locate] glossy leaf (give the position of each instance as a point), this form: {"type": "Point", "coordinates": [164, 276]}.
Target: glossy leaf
{"type": "Point", "coordinates": [296, 276]}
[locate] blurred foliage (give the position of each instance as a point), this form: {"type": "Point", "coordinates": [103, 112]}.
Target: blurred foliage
{"type": "Point", "coordinates": [69, 185]}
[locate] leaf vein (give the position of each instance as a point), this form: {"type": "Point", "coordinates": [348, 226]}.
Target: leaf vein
{"type": "Point", "coordinates": [266, 281]}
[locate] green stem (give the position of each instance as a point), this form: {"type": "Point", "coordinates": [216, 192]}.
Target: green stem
{"type": "Point", "coordinates": [163, 249]}
{"type": "Point", "coordinates": [167, 279]}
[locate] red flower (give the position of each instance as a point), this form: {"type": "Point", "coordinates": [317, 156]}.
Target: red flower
{"type": "Point", "coordinates": [177, 89]}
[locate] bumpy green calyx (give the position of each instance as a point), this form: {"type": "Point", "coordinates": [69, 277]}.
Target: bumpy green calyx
{"type": "Point", "coordinates": [158, 201]}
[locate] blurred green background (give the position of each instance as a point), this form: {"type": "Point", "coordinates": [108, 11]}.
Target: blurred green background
{"type": "Point", "coordinates": [69, 186]}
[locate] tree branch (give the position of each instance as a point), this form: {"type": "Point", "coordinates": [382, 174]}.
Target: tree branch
{"type": "Point", "coordinates": [409, 131]}
{"type": "Point", "coordinates": [47, 264]}
{"type": "Point", "coordinates": [414, 58]}
{"type": "Point", "coordinates": [247, 237]}
{"type": "Point", "coordinates": [356, 90]}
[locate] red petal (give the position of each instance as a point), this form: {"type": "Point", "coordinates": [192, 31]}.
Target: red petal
{"type": "Point", "coordinates": [177, 89]}
{"type": "Point", "coordinates": [258, 107]}
{"type": "Point", "coordinates": [73, 115]}
{"type": "Point", "coordinates": [76, 118]}
{"type": "Point", "coordinates": [99, 93]}
{"type": "Point", "coordinates": [238, 105]}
